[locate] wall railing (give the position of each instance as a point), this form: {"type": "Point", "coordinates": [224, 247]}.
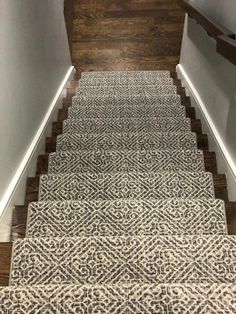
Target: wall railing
{"type": "Point", "coordinates": [225, 39]}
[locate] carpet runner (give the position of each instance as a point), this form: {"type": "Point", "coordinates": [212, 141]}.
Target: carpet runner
{"type": "Point", "coordinates": [126, 100]}
{"type": "Point", "coordinates": [135, 111]}
{"type": "Point", "coordinates": [113, 185]}
{"type": "Point", "coordinates": [143, 75]}
{"type": "Point", "coordinates": [122, 260]}
{"type": "Point", "coordinates": [122, 141]}
{"type": "Point", "coordinates": [111, 81]}
{"type": "Point", "coordinates": [116, 299]}
{"type": "Point", "coordinates": [126, 161]}
{"type": "Point", "coordinates": [131, 125]}
{"type": "Point", "coordinates": [127, 220]}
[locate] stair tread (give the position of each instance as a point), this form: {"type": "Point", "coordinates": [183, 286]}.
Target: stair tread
{"type": "Point", "coordinates": [126, 218]}
{"type": "Point", "coordinates": [122, 141]}
{"type": "Point", "coordinates": [125, 100]}
{"type": "Point", "coordinates": [126, 73]}
{"type": "Point", "coordinates": [125, 160]}
{"type": "Point", "coordinates": [114, 260]}
{"type": "Point", "coordinates": [116, 299]}
{"type": "Point", "coordinates": [176, 124]}
{"type": "Point", "coordinates": [122, 185]}
{"type": "Point", "coordinates": [162, 89]}
{"type": "Point", "coordinates": [124, 81]}
{"type": "Point", "coordinates": [139, 111]}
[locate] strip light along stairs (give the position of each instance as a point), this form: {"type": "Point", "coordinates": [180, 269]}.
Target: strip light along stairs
{"type": "Point", "coordinates": [127, 220]}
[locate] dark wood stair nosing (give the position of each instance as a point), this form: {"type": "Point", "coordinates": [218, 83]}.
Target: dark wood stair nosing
{"type": "Point", "coordinates": [5, 262]}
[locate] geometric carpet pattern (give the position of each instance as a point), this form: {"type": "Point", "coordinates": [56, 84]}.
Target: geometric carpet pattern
{"type": "Point", "coordinates": [117, 299]}
{"type": "Point", "coordinates": [110, 186]}
{"type": "Point", "coordinates": [113, 81]}
{"type": "Point", "coordinates": [121, 260]}
{"type": "Point", "coordinates": [127, 221]}
{"type": "Point", "coordinates": [126, 218]}
{"type": "Point", "coordinates": [139, 111]}
{"type": "Point", "coordinates": [123, 141]}
{"type": "Point", "coordinates": [143, 75]}
{"type": "Point", "coordinates": [125, 100]}
{"type": "Point", "coordinates": [117, 90]}
{"type": "Point", "coordinates": [125, 161]}
{"type": "Point", "coordinates": [125, 125]}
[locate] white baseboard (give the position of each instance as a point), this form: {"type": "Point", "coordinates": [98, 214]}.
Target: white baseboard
{"type": "Point", "coordinates": [224, 161]}
{"type": "Point", "coordinates": [15, 193]}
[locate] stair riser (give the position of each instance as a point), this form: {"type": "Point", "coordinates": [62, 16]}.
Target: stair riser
{"type": "Point", "coordinates": [122, 260]}
{"type": "Point", "coordinates": [126, 126]}
{"type": "Point", "coordinates": [57, 128]}
{"type": "Point", "coordinates": [123, 90]}
{"type": "Point", "coordinates": [126, 82]}
{"type": "Point", "coordinates": [120, 299]}
{"type": "Point", "coordinates": [141, 112]}
{"type": "Point", "coordinates": [126, 218]}
{"type": "Point", "coordinates": [125, 161]}
{"type": "Point", "coordinates": [107, 101]}
{"type": "Point", "coordinates": [124, 141]}
{"type": "Point", "coordinates": [128, 74]}
{"type": "Point", "coordinates": [110, 186]}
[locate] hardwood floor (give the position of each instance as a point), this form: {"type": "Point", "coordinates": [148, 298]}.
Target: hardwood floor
{"type": "Point", "coordinates": [126, 35]}
{"type": "Point", "coordinates": [119, 35]}
{"type": "Point", "coordinates": [5, 262]}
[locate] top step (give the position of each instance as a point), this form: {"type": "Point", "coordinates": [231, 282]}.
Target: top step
{"type": "Point", "coordinates": [118, 90]}
{"type": "Point", "coordinates": [128, 81]}
{"type": "Point", "coordinates": [125, 74]}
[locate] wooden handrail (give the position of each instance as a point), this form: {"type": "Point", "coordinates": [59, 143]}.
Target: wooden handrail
{"type": "Point", "coordinates": [225, 39]}
{"type": "Point", "coordinates": [226, 46]}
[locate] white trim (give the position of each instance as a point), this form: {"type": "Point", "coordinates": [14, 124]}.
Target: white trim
{"type": "Point", "coordinates": [211, 125]}
{"type": "Point", "coordinates": [5, 201]}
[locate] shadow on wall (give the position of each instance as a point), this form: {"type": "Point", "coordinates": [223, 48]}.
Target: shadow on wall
{"type": "Point", "coordinates": [230, 133]}
{"type": "Point", "coordinates": [214, 81]}
{"type": "Point", "coordinates": [223, 75]}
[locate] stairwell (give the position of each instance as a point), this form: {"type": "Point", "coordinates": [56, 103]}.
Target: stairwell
{"type": "Point", "coordinates": [127, 213]}
{"type": "Point", "coordinates": [127, 218]}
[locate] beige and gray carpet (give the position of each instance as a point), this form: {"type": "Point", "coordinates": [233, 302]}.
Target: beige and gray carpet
{"type": "Point", "coordinates": [127, 220]}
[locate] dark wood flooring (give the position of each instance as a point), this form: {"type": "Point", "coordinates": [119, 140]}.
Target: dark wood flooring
{"type": "Point", "coordinates": [118, 35]}
{"type": "Point", "coordinates": [126, 34]}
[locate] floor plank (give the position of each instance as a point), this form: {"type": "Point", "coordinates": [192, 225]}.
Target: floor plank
{"type": "Point", "coordinates": [5, 262]}
{"type": "Point", "coordinates": [126, 35]}
{"type": "Point", "coordinates": [121, 5]}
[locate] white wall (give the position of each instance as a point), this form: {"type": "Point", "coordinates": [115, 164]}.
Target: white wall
{"type": "Point", "coordinates": [34, 59]}
{"type": "Point", "coordinates": [224, 11]}
{"type": "Point", "coordinates": [214, 82]}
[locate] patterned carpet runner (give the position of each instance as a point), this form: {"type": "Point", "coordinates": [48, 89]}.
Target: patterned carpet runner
{"type": "Point", "coordinates": [127, 220]}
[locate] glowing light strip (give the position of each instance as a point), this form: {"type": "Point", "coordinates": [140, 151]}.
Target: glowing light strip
{"type": "Point", "coordinates": [30, 151]}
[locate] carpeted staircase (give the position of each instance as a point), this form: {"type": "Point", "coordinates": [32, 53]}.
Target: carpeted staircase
{"type": "Point", "coordinates": [127, 220]}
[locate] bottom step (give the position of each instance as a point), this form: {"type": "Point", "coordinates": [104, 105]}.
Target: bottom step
{"type": "Point", "coordinates": [136, 299]}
